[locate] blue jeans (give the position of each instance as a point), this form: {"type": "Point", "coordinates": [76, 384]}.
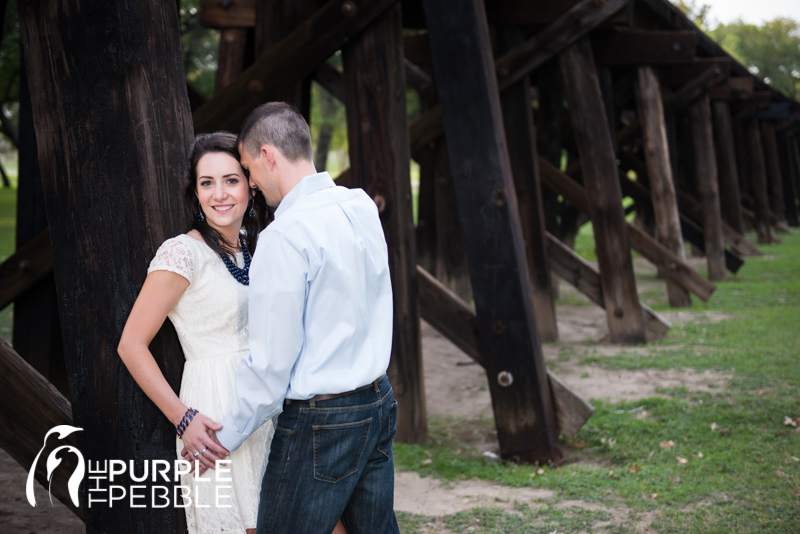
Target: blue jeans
{"type": "Point", "coordinates": [332, 459]}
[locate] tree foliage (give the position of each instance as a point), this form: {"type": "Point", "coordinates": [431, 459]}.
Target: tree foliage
{"type": "Point", "coordinates": [770, 51]}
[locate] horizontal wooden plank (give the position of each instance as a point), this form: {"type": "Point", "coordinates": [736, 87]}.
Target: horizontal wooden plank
{"type": "Point", "coordinates": [675, 76]}
{"type": "Point", "coordinates": [228, 13]}
{"type": "Point", "coordinates": [456, 320]}
{"type": "Point", "coordinates": [628, 46]}
{"type": "Point", "coordinates": [27, 266]}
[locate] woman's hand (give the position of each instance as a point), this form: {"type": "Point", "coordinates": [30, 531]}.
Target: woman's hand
{"type": "Point", "coordinates": [201, 436]}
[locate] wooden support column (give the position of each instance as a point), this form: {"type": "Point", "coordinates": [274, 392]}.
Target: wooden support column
{"type": "Point", "coordinates": [730, 201]}
{"type": "Point", "coordinates": [789, 178]}
{"type": "Point", "coordinates": [794, 152]}
{"type": "Point", "coordinates": [230, 58]}
{"type": "Point", "coordinates": [759, 181]}
{"type": "Point", "coordinates": [659, 172]}
{"type": "Point", "coordinates": [275, 20]}
{"type": "Point", "coordinates": [523, 405]}
{"type": "Point", "coordinates": [37, 328]}
{"type": "Point", "coordinates": [377, 129]}
{"type": "Point", "coordinates": [706, 176]}
{"type": "Point", "coordinates": [593, 138]}
{"type": "Point", "coordinates": [775, 183]}
{"type": "Point", "coordinates": [520, 133]}
{"type": "Point", "coordinates": [109, 214]}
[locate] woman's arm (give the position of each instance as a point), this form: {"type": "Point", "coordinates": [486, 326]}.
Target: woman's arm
{"type": "Point", "coordinates": [160, 293]}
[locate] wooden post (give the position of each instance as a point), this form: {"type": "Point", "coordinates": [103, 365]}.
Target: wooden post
{"type": "Point", "coordinates": [593, 138]}
{"type": "Point", "coordinates": [662, 187]}
{"type": "Point", "coordinates": [451, 260]}
{"type": "Point", "coordinates": [759, 181]}
{"type": "Point", "coordinates": [112, 175]}
{"type": "Point", "coordinates": [230, 58]}
{"type": "Point", "coordinates": [745, 168]}
{"type": "Point", "coordinates": [275, 20]}
{"type": "Point", "coordinates": [37, 329]}
{"type": "Point", "coordinates": [775, 182]}
{"type": "Point", "coordinates": [492, 234]}
{"type": "Point", "coordinates": [789, 176]}
{"type": "Point", "coordinates": [706, 176]}
{"type": "Point", "coordinates": [379, 161]}
{"type": "Point", "coordinates": [728, 174]}
{"type": "Point", "coordinates": [520, 133]}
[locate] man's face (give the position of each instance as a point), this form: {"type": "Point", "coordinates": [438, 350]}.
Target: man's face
{"type": "Point", "coordinates": [261, 177]}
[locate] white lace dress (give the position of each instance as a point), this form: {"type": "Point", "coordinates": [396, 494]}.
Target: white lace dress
{"type": "Point", "coordinates": [211, 321]}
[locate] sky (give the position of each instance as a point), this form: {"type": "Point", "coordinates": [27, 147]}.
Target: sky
{"type": "Point", "coordinates": [751, 11]}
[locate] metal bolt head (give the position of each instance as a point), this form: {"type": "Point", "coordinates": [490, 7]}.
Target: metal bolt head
{"type": "Point", "coordinates": [498, 327]}
{"type": "Point", "coordinates": [349, 8]}
{"type": "Point", "coordinates": [618, 312]}
{"type": "Point", "coordinates": [499, 197]}
{"type": "Point", "coordinates": [505, 379]}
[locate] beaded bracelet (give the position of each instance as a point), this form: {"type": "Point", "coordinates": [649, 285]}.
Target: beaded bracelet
{"type": "Point", "coordinates": [187, 418]}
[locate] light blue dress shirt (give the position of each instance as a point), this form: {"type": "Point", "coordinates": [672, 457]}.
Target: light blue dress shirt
{"type": "Point", "coordinates": [320, 304]}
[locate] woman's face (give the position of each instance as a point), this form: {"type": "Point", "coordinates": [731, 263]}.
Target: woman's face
{"type": "Point", "coordinates": [222, 190]}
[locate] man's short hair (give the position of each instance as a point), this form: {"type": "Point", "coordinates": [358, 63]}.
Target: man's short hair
{"type": "Point", "coordinates": [280, 125]}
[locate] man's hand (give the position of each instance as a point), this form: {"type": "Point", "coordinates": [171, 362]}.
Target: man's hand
{"type": "Point", "coordinates": [201, 437]}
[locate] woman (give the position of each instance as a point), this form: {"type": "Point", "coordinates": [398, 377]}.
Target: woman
{"type": "Point", "coordinates": [200, 281]}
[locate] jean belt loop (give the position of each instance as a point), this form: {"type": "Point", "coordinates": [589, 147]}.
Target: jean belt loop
{"type": "Point", "coordinates": [312, 402]}
{"type": "Point", "coordinates": [375, 386]}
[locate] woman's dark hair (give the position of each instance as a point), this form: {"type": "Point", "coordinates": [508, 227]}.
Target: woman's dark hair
{"type": "Point", "coordinates": [225, 143]}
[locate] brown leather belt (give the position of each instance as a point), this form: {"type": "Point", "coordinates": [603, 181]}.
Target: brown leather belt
{"type": "Point", "coordinates": [329, 396]}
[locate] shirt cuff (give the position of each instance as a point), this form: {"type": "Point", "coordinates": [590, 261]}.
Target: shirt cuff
{"type": "Point", "coordinates": [230, 438]}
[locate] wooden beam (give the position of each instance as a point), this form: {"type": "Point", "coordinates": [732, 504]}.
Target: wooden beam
{"type": "Point", "coordinates": [659, 173]}
{"type": "Point", "coordinates": [774, 180]}
{"type": "Point", "coordinates": [143, 119]}
{"type": "Point", "coordinates": [759, 181]}
{"type": "Point", "coordinates": [491, 230]}
{"type": "Point", "coordinates": [31, 263]}
{"type": "Point", "coordinates": [730, 200]}
{"type": "Point", "coordinates": [645, 245]}
{"type": "Point", "coordinates": [283, 65]}
{"type": "Point", "coordinates": [708, 184]}
{"type": "Point", "coordinates": [634, 47]}
{"type": "Point", "coordinates": [586, 110]}
{"type": "Point", "coordinates": [586, 278]}
{"type": "Point", "coordinates": [377, 130]}
{"type": "Point", "coordinates": [228, 13]}
{"type": "Point", "coordinates": [678, 76]}
{"type": "Point", "coordinates": [521, 138]}
{"type": "Point", "coordinates": [566, 30]}
{"type": "Point", "coordinates": [276, 20]}
{"type": "Point", "coordinates": [29, 407]}
{"type": "Point", "coordinates": [230, 57]}
{"type": "Point", "coordinates": [457, 321]}
{"type": "Point", "coordinates": [788, 175]}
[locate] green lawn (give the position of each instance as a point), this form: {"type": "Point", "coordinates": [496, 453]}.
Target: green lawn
{"type": "Point", "coordinates": [8, 219]}
{"type": "Point", "coordinates": [742, 463]}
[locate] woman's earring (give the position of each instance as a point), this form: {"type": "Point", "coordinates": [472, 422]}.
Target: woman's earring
{"type": "Point", "coordinates": [252, 208]}
{"type": "Point", "coordinates": [200, 216]}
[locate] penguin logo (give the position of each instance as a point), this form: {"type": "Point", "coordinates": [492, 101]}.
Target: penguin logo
{"type": "Point", "coordinates": [54, 461]}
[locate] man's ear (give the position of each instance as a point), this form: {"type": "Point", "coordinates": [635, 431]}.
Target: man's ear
{"type": "Point", "coordinates": [269, 152]}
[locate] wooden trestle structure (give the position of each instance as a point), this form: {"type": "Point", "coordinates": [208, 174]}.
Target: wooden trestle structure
{"type": "Point", "coordinates": [535, 117]}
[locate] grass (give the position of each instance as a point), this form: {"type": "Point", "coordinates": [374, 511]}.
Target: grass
{"type": "Point", "coordinates": [742, 463]}
{"type": "Point", "coordinates": [8, 219]}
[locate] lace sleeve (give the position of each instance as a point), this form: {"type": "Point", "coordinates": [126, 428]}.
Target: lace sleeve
{"type": "Point", "coordinates": [174, 256]}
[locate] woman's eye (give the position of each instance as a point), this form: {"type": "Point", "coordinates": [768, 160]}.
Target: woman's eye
{"type": "Point", "coordinates": [205, 183]}
{"type": "Point", "coordinates": [233, 181]}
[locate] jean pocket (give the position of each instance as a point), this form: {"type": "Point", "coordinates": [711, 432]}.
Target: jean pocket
{"type": "Point", "coordinates": [387, 433]}
{"type": "Point", "coordinates": [338, 449]}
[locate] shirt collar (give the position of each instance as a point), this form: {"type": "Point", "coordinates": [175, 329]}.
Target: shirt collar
{"type": "Point", "coordinates": [309, 184]}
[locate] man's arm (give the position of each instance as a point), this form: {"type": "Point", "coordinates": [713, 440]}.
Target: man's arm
{"type": "Point", "coordinates": [278, 285]}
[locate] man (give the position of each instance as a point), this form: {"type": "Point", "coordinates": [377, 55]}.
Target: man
{"type": "Point", "coordinates": [320, 341]}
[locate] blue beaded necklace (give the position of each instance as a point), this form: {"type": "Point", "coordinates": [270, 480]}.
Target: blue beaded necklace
{"type": "Point", "coordinates": [241, 274]}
